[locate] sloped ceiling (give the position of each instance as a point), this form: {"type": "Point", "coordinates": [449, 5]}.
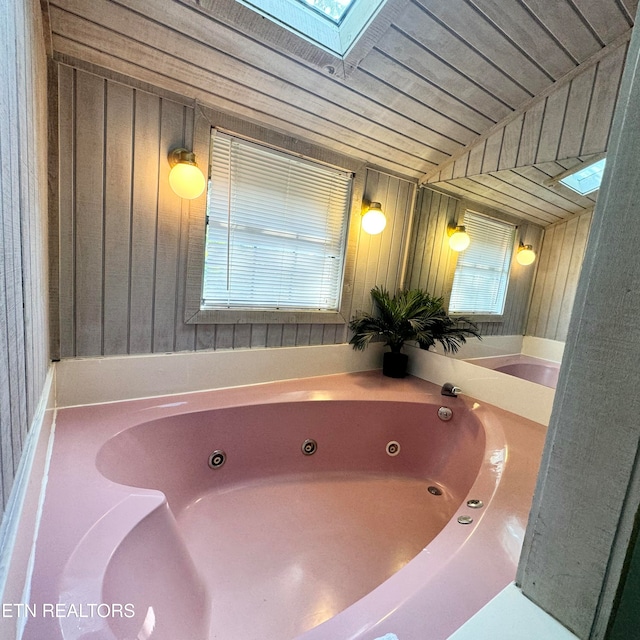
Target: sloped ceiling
{"type": "Point", "coordinates": [484, 98]}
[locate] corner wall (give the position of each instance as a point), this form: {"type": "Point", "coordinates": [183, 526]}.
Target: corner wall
{"type": "Point", "coordinates": [559, 264]}
{"type": "Point", "coordinates": [124, 233]}
{"type": "Point", "coordinates": [24, 357]}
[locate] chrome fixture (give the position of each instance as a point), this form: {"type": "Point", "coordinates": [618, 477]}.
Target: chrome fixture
{"type": "Point", "coordinates": [217, 459]}
{"type": "Point", "coordinates": [449, 389]}
{"type": "Point", "coordinates": [434, 491]}
{"type": "Point", "coordinates": [445, 414]}
{"type": "Point", "coordinates": [475, 504]}
{"type": "Point", "coordinates": [465, 519]}
{"type": "Point", "coordinates": [309, 447]}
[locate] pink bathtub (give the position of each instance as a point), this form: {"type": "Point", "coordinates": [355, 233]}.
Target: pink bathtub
{"type": "Point", "coordinates": [334, 514]}
{"type": "Point", "coordinates": [544, 372]}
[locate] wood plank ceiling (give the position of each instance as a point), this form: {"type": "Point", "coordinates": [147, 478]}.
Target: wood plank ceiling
{"type": "Point", "coordinates": [435, 81]}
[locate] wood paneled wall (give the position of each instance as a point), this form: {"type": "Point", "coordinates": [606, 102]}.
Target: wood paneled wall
{"type": "Point", "coordinates": [575, 560]}
{"type": "Point", "coordinates": [23, 228]}
{"type": "Point", "coordinates": [570, 119]}
{"type": "Point", "coordinates": [559, 265]}
{"type": "Point", "coordinates": [124, 234]}
{"type": "Point", "coordinates": [432, 263]}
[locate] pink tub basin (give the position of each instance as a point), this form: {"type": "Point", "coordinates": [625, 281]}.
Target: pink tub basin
{"type": "Point", "coordinates": [544, 372]}
{"type": "Point", "coordinates": [349, 542]}
{"type": "Point", "coordinates": [546, 375]}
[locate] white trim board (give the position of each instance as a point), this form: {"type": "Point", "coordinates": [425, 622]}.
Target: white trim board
{"type": "Point", "coordinates": [95, 380]}
{"type": "Point", "coordinates": [521, 397]}
{"type": "Point", "coordinates": [512, 616]}
{"type": "Point", "coordinates": [543, 348]}
{"type": "Point", "coordinates": [22, 516]}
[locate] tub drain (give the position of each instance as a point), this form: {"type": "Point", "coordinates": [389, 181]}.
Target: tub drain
{"type": "Point", "coordinates": [434, 491]}
{"type": "Point", "coordinates": [309, 447]}
{"type": "Point", "coordinates": [217, 459]}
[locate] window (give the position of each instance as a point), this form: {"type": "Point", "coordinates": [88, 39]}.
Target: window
{"type": "Point", "coordinates": [482, 272]}
{"type": "Point", "coordinates": [585, 180]}
{"type": "Point", "coordinates": [276, 229]}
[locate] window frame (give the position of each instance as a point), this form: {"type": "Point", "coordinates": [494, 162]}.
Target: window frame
{"type": "Point", "coordinates": [564, 178]}
{"type": "Point", "coordinates": [207, 119]}
{"type": "Point", "coordinates": [335, 37]}
{"type": "Point", "coordinates": [248, 20]}
{"type": "Point", "coordinates": [462, 208]}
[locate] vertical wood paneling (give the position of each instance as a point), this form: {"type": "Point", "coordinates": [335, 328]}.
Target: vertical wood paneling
{"type": "Point", "coordinates": [460, 166]}
{"type": "Point", "coordinates": [571, 282]}
{"type": "Point", "coordinates": [185, 334]}
{"type": "Point", "coordinates": [572, 119]}
{"type": "Point", "coordinates": [562, 271]}
{"type": "Point", "coordinates": [51, 201]}
{"type": "Point", "coordinates": [8, 326]}
{"type": "Point", "coordinates": [538, 289]}
{"type": "Point", "coordinates": [560, 261]}
{"type": "Point", "coordinates": [23, 229]}
{"type": "Point", "coordinates": [476, 156]}
{"type": "Point", "coordinates": [378, 259]}
{"type": "Point", "coordinates": [124, 234]}
{"type": "Point", "coordinates": [554, 114]}
{"type": "Point", "coordinates": [511, 143]}
{"type": "Point", "coordinates": [146, 160]}
{"type": "Point", "coordinates": [14, 259]}
{"type": "Point", "coordinates": [242, 336]}
{"type": "Point", "coordinates": [528, 145]}
{"type": "Point", "coordinates": [575, 120]}
{"type": "Point", "coordinates": [607, 83]}
{"type": "Point", "coordinates": [492, 152]}
{"type": "Point", "coordinates": [89, 194]}
{"type": "Point", "coordinates": [66, 206]}
{"type": "Point", "coordinates": [117, 217]}
{"type": "Point", "coordinates": [167, 233]}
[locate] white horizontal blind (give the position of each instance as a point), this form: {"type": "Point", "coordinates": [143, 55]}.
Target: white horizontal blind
{"type": "Point", "coordinates": [276, 231]}
{"type": "Point", "coordinates": [482, 272]}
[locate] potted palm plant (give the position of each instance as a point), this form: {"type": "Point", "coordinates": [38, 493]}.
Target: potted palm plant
{"type": "Point", "coordinates": [409, 315]}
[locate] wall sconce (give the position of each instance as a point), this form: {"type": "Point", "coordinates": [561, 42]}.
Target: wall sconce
{"type": "Point", "coordinates": [458, 237]}
{"type": "Point", "coordinates": [185, 177]}
{"type": "Point", "coordinates": [373, 219]}
{"type": "Point", "coordinates": [526, 255]}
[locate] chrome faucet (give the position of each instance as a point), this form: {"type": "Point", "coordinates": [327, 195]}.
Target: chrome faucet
{"type": "Point", "coordinates": [449, 389]}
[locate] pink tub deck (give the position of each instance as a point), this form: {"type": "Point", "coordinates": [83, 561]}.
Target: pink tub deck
{"type": "Point", "coordinates": [345, 544]}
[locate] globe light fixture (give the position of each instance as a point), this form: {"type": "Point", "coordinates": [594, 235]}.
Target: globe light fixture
{"type": "Point", "coordinates": [373, 219]}
{"type": "Point", "coordinates": [458, 238]}
{"type": "Point", "coordinates": [185, 178]}
{"type": "Point", "coordinates": [525, 255]}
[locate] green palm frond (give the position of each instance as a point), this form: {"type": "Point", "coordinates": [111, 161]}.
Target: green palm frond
{"type": "Point", "coordinates": [413, 315]}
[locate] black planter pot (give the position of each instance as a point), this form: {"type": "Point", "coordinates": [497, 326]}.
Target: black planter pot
{"type": "Point", "coordinates": [394, 365]}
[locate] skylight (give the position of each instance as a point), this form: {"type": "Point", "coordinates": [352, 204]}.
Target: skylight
{"type": "Point", "coordinates": [587, 179]}
{"type": "Point", "coordinates": [333, 9]}
{"type": "Point", "coordinates": [333, 25]}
